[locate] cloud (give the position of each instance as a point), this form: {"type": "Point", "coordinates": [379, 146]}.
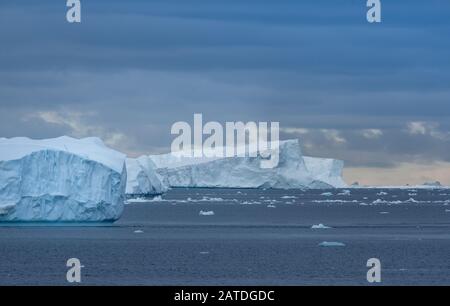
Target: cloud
{"type": "Point", "coordinates": [372, 133]}
{"type": "Point", "coordinates": [78, 127]}
{"type": "Point", "coordinates": [419, 127]}
{"type": "Point", "coordinates": [431, 129]}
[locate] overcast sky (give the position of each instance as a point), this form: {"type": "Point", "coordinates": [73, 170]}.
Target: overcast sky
{"type": "Point", "coordinates": [375, 95]}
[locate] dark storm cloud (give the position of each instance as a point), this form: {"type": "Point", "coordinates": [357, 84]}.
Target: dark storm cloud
{"type": "Point", "coordinates": [132, 68]}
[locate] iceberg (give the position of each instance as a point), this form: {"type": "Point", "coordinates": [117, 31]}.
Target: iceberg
{"type": "Point", "coordinates": [292, 171]}
{"type": "Point", "coordinates": [61, 180]}
{"type": "Point", "coordinates": [142, 179]}
{"type": "Point", "coordinates": [319, 226]}
{"type": "Point", "coordinates": [206, 213]}
{"type": "Point", "coordinates": [435, 184]}
{"type": "Point", "coordinates": [326, 171]}
{"type": "Point", "coordinates": [331, 244]}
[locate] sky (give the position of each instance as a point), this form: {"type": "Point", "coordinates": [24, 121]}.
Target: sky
{"type": "Point", "coordinates": [374, 95]}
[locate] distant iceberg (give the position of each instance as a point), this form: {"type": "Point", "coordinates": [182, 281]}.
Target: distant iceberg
{"type": "Point", "coordinates": [61, 179]}
{"type": "Point", "coordinates": [142, 178]}
{"type": "Point", "coordinates": [435, 184]}
{"type": "Point", "coordinates": [294, 171]}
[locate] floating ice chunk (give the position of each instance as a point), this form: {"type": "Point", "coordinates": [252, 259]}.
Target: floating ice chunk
{"type": "Point", "coordinates": [271, 206]}
{"type": "Point", "coordinates": [331, 244]}
{"type": "Point", "coordinates": [327, 194]}
{"type": "Point", "coordinates": [384, 212]}
{"type": "Point", "coordinates": [382, 193]}
{"type": "Point", "coordinates": [289, 197]}
{"type": "Point", "coordinates": [447, 210]}
{"type": "Point", "coordinates": [380, 201]}
{"type": "Point", "coordinates": [411, 200]}
{"type": "Point", "coordinates": [320, 226]}
{"type": "Point", "coordinates": [211, 199]}
{"type": "Point", "coordinates": [156, 199]}
{"type": "Point", "coordinates": [138, 231]}
{"type": "Point", "coordinates": [206, 213]}
{"type": "Point", "coordinates": [345, 192]}
{"type": "Point", "coordinates": [144, 200]}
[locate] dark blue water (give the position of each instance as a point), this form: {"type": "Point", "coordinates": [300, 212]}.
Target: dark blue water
{"type": "Point", "coordinates": [255, 237]}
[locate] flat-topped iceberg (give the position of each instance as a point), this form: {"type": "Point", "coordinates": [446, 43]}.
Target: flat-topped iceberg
{"type": "Point", "coordinates": [292, 171]}
{"type": "Point", "coordinates": [142, 179]}
{"type": "Point", "coordinates": [61, 180]}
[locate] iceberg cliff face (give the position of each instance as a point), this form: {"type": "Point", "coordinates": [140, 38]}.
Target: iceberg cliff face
{"type": "Point", "coordinates": [245, 172]}
{"type": "Point", "coordinates": [142, 178]}
{"type": "Point", "coordinates": [61, 179]}
{"type": "Point", "coordinates": [326, 171]}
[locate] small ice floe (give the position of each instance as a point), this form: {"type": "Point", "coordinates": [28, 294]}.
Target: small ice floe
{"type": "Point", "coordinates": [204, 253]}
{"type": "Point", "coordinates": [319, 226]}
{"type": "Point", "coordinates": [138, 231]}
{"type": "Point", "coordinates": [271, 206]}
{"type": "Point", "coordinates": [211, 199]}
{"type": "Point", "coordinates": [136, 200]}
{"type": "Point", "coordinates": [382, 193]}
{"type": "Point", "coordinates": [447, 210]}
{"type": "Point", "coordinates": [411, 200]}
{"type": "Point", "coordinates": [412, 194]}
{"type": "Point", "coordinates": [331, 244]}
{"type": "Point", "coordinates": [363, 204]}
{"type": "Point", "coordinates": [380, 201]}
{"type": "Point", "coordinates": [144, 200]}
{"type": "Point", "coordinates": [345, 192]}
{"type": "Point", "coordinates": [384, 212]}
{"type": "Point", "coordinates": [289, 197]}
{"type": "Point", "coordinates": [334, 201]}
{"type": "Point", "coordinates": [206, 213]}
{"type": "Point", "coordinates": [327, 194]}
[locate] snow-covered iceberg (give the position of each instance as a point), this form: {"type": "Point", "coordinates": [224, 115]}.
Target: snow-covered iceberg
{"type": "Point", "coordinates": [142, 179]}
{"type": "Point", "coordinates": [246, 172]}
{"type": "Point", "coordinates": [326, 170]}
{"type": "Point", "coordinates": [61, 179]}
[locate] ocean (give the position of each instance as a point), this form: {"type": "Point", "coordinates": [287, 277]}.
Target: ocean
{"type": "Point", "coordinates": [244, 237]}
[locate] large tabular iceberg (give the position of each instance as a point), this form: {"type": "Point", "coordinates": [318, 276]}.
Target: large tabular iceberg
{"type": "Point", "coordinates": [142, 179]}
{"type": "Point", "coordinates": [292, 171]}
{"type": "Point", "coordinates": [61, 179]}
